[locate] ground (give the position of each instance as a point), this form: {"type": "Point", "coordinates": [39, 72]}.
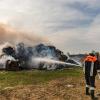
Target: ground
{"type": "Point", "coordinates": [65, 84]}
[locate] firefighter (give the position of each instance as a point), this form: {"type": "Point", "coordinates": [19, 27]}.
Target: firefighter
{"type": "Point", "coordinates": [90, 71]}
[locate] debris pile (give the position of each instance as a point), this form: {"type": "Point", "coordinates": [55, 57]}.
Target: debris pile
{"type": "Point", "coordinates": [23, 56]}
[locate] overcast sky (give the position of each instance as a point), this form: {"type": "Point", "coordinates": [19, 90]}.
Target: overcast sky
{"type": "Point", "coordinates": [71, 25]}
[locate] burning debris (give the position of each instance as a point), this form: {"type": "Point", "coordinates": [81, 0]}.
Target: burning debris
{"type": "Point", "coordinates": [40, 56]}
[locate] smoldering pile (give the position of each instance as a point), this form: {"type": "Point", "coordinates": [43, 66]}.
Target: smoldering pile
{"type": "Point", "coordinates": [40, 56]}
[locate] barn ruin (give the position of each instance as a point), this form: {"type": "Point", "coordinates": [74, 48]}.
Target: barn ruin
{"type": "Point", "coordinates": [19, 57]}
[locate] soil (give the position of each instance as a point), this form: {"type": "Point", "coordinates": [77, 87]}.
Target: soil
{"type": "Point", "coordinates": [59, 89]}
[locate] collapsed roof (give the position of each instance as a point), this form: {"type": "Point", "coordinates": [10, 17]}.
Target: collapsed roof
{"type": "Point", "coordinates": [25, 54]}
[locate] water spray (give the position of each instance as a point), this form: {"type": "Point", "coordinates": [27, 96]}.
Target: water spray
{"type": "Point", "coordinates": [52, 61]}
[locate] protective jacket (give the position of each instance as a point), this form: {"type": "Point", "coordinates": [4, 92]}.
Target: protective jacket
{"type": "Point", "coordinates": [90, 65]}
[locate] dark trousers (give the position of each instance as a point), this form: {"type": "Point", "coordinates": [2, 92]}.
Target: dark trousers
{"type": "Point", "coordinates": [90, 80]}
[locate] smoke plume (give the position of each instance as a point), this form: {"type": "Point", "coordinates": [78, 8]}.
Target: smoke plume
{"type": "Point", "coordinates": [30, 50]}
{"type": "Point", "coordinates": [8, 34]}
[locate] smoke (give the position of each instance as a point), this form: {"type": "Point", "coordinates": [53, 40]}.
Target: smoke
{"type": "Point", "coordinates": [43, 57]}
{"type": "Point", "coordinates": [40, 56]}
{"type": "Point", "coordinates": [30, 50]}
{"type": "Point", "coordinates": [25, 54]}
{"type": "Point", "coordinates": [8, 34]}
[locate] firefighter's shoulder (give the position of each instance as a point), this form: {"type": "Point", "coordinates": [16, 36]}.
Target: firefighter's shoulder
{"type": "Point", "coordinates": [91, 58]}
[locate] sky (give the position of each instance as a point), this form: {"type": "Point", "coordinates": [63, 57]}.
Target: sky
{"type": "Point", "coordinates": [71, 25]}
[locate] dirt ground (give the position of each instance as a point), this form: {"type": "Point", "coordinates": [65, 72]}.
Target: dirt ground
{"type": "Point", "coordinates": [59, 89]}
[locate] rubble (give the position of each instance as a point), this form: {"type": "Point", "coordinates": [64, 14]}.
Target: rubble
{"type": "Point", "coordinates": [23, 55]}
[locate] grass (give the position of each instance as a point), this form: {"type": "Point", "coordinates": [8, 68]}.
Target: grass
{"type": "Point", "coordinates": [10, 78]}
{"type": "Point", "coordinates": [65, 84]}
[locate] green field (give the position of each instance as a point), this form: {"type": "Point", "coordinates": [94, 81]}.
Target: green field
{"type": "Point", "coordinates": [34, 77]}
{"type": "Point", "coordinates": [67, 84]}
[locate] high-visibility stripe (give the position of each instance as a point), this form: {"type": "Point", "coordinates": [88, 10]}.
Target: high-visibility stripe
{"type": "Point", "coordinates": [92, 88]}
{"type": "Point", "coordinates": [87, 85]}
{"type": "Point", "coordinates": [84, 67]}
{"type": "Point", "coordinates": [91, 69]}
